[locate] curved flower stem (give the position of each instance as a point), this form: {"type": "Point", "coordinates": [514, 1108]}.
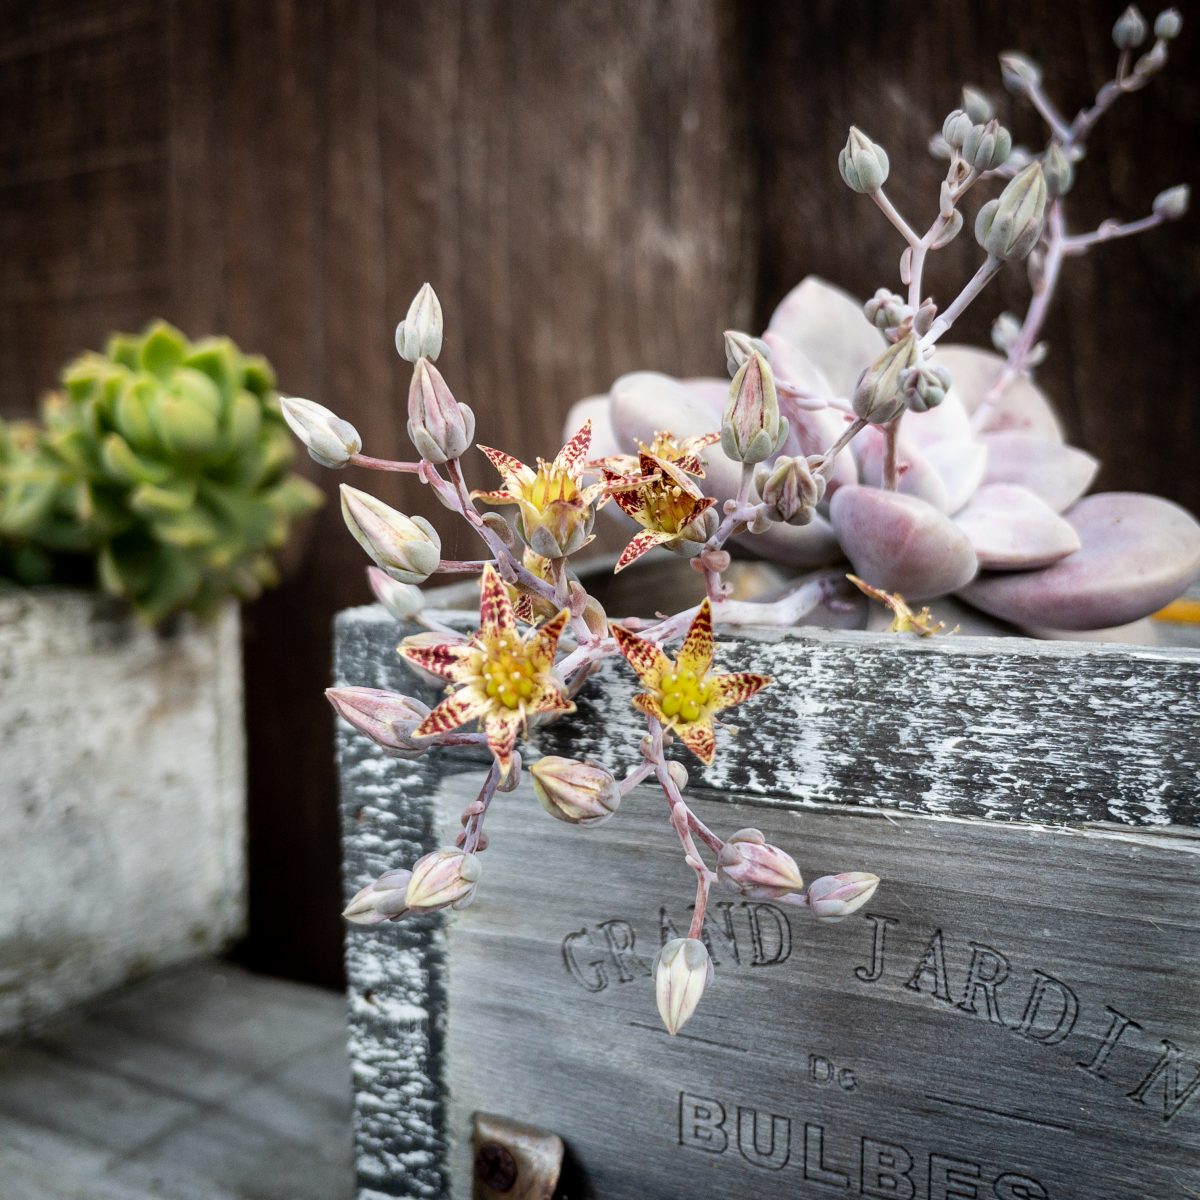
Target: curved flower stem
{"type": "Point", "coordinates": [1109, 232]}
{"type": "Point", "coordinates": [891, 467]}
{"type": "Point", "coordinates": [889, 210]}
{"type": "Point", "coordinates": [452, 566]}
{"type": "Point", "coordinates": [639, 773]}
{"type": "Point", "coordinates": [1049, 112]}
{"type": "Point", "coordinates": [475, 825]}
{"type": "Point", "coordinates": [987, 271]}
{"type": "Point", "coordinates": [385, 464]}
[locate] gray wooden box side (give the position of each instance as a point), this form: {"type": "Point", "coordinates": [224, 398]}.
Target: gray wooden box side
{"type": "Point", "coordinates": [1005, 730]}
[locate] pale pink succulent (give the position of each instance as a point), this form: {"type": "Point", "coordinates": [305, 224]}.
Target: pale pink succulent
{"type": "Point", "coordinates": [991, 503]}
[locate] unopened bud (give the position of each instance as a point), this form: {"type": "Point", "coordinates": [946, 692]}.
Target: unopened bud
{"type": "Point", "coordinates": [384, 900]}
{"type": "Point", "coordinates": [863, 164]}
{"type": "Point", "coordinates": [407, 548]}
{"type": "Point", "coordinates": [789, 489]}
{"type": "Point", "coordinates": [1130, 29]}
{"type": "Point", "coordinates": [1173, 203]}
{"type": "Point", "coordinates": [682, 971]}
{"type": "Point", "coordinates": [419, 335]}
{"type": "Point", "coordinates": [955, 128]}
{"type": "Point", "coordinates": [402, 600]}
{"type": "Point", "coordinates": [924, 316]}
{"type": "Point", "coordinates": [1005, 330]}
{"type": "Point", "coordinates": [499, 524]}
{"type": "Point", "coordinates": [752, 428]}
{"type": "Point", "coordinates": [579, 793]}
{"type": "Point", "coordinates": [739, 347]}
{"type": "Point", "coordinates": [925, 387]}
{"type": "Point", "coordinates": [328, 439]}
{"type": "Point", "coordinates": [1019, 72]}
{"type": "Point", "coordinates": [1010, 226]}
{"type": "Point", "coordinates": [879, 397]}
{"type": "Point", "coordinates": [987, 146]}
{"type": "Point", "coordinates": [678, 774]}
{"type": "Point", "coordinates": [977, 104]}
{"type": "Point", "coordinates": [1058, 169]}
{"type": "Point", "coordinates": [387, 718]}
{"type": "Point", "coordinates": [438, 426]}
{"type": "Point", "coordinates": [1167, 24]}
{"type": "Point", "coordinates": [511, 781]}
{"type": "Point", "coordinates": [885, 310]}
{"type": "Point", "coordinates": [595, 618]}
{"type": "Point", "coordinates": [751, 865]}
{"type": "Point", "coordinates": [447, 877]}
{"type": "Point", "coordinates": [832, 898]}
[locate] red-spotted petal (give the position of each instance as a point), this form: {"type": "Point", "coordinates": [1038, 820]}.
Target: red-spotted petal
{"type": "Point", "coordinates": [643, 656]}
{"type": "Point", "coordinates": [650, 706]}
{"type": "Point", "coordinates": [495, 608]}
{"type": "Point", "coordinates": [454, 711]}
{"type": "Point", "coordinates": [511, 468]}
{"type": "Point", "coordinates": [440, 660]}
{"type": "Point", "coordinates": [696, 653]}
{"type": "Point", "coordinates": [639, 545]}
{"type": "Point", "coordinates": [729, 690]}
{"type": "Point", "coordinates": [551, 699]}
{"type": "Point", "coordinates": [501, 726]}
{"type": "Point", "coordinates": [523, 608]}
{"type": "Point", "coordinates": [500, 496]}
{"type": "Point", "coordinates": [572, 457]}
{"type": "Point", "coordinates": [543, 642]}
{"type": "Point", "coordinates": [699, 739]}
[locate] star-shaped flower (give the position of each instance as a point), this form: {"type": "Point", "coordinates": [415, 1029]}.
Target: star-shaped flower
{"type": "Point", "coordinates": [556, 509]}
{"type": "Point", "coordinates": [684, 695]}
{"type": "Point", "coordinates": [684, 454]}
{"type": "Point", "coordinates": [502, 678]}
{"type": "Point", "coordinates": [666, 503]}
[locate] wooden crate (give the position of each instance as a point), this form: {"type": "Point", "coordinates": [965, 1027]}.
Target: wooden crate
{"type": "Point", "coordinates": [1013, 1016]}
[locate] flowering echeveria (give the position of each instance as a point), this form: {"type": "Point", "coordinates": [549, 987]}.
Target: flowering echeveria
{"type": "Point", "coordinates": [990, 504]}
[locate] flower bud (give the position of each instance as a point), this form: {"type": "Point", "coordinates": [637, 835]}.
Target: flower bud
{"type": "Point", "coordinates": [447, 877]}
{"type": "Point", "coordinates": [863, 164]}
{"type": "Point", "coordinates": [752, 428]}
{"type": "Point", "coordinates": [383, 900]}
{"type": "Point", "coordinates": [419, 335]}
{"type": "Point", "coordinates": [329, 439]}
{"type": "Point", "coordinates": [1010, 226]}
{"type": "Point", "coordinates": [1167, 24]}
{"type": "Point", "coordinates": [1058, 169]}
{"type": "Point", "coordinates": [1019, 72]}
{"type": "Point", "coordinates": [832, 898]}
{"type": "Point", "coordinates": [925, 387]}
{"type": "Point", "coordinates": [407, 548]}
{"type": "Point", "coordinates": [1173, 203]}
{"type": "Point", "coordinates": [679, 775]}
{"type": "Point", "coordinates": [955, 128]}
{"type": "Point", "coordinates": [879, 398]}
{"type": "Point", "coordinates": [682, 971]}
{"type": "Point", "coordinates": [1130, 29]}
{"type": "Point", "coordinates": [977, 104]}
{"type": "Point", "coordinates": [402, 600]}
{"type": "Point", "coordinates": [1005, 331]}
{"type": "Point", "coordinates": [789, 489]}
{"type": "Point", "coordinates": [987, 146]}
{"type": "Point", "coordinates": [885, 310]}
{"type": "Point", "coordinates": [739, 347]}
{"type": "Point", "coordinates": [576, 792]}
{"type": "Point", "coordinates": [750, 865]}
{"type": "Point", "coordinates": [439, 427]}
{"type": "Point", "coordinates": [387, 718]}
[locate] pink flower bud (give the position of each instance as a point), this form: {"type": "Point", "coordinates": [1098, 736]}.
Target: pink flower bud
{"type": "Point", "coordinates": [750, 865]}
{"type": "Point", "coordinates": [407, 548]}
{"type": "Point", "coordinates": [383, 900]}
{"type": "Point", "coordinates": [387, 718]}
{"type": "Point", "coordinates": [752, 428]}
{"type": "Point", "coordinates": [402, 600]}
{"type": "Point", "coordinates": [445, 878]}
{"type": "Point", "coordinates": [577, 792]}
{"type": "Point", "coordinates": [682, 971]}
{"type": "Point", "coordinates": [832, 898]}
{"type": "Point", "coordinates": [328, 439]}
{"type": "Point", "coordinates": [440, 427]}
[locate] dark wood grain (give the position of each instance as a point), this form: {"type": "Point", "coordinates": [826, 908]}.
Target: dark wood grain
{"type": "Point", "coordinates": [593, 188]}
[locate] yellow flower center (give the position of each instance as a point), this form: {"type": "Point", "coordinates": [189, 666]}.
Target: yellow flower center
{"type": "Point", "coordinates": [509, 675]}
{"type": "Point", "coordinates": [685, 694]}
{"type": "Point", "coordinates": [667, 505]}
{"type": "Point", "coordinates": [551, 483]}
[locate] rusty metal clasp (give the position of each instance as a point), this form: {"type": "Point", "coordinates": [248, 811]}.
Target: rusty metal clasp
{"type": "Point", "coordinates": [513, 1161]}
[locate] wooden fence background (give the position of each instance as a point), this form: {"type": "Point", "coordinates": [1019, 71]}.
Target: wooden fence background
{"type": "Point", "coordinates": [593, 187]}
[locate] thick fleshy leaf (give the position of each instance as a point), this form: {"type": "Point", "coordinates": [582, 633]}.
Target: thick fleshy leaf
{"type": "Point", "coordinates": [917, 476]}
{"type": "Point", "coordinates": [828, 326]}
{"type": "Point", "coordinates": [1022, 409]}
{"type": "Point", "coordinates": [1058, 474]}
{"type": "Point", "coordinates": [900, 543]}
{"type": "Point", "coordinates": [794, 368]}
{"type": "Point", "coordinates": [1138, 553]}
{"type": "Point", "coordinates": [811, 545]}
{"type": "Point", "coordinates": [1014, 530]}
{"type": "Point", "coordinates": [961, 466]}
{"type": "Point", "coordinates": [645, 402]}
{"type": "Point", "coordinates": [948, 422]}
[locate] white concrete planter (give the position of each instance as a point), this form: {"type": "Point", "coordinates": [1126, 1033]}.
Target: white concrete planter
{"type": "Point", "coordinates": [122, 797]}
